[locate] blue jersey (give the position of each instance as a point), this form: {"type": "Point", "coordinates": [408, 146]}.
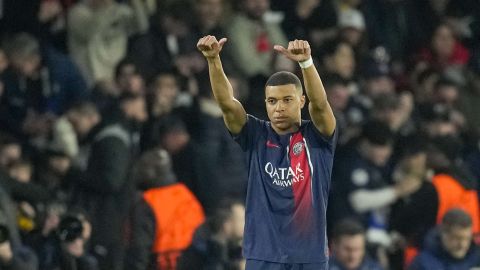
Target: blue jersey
{"type": "Point", "coordinates": [288, 185]}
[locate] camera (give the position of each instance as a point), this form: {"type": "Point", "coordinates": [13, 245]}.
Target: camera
{"type": "Point", "coordinates": [4, 234]}
{"type": "Point", "coordinates": [69, 229]}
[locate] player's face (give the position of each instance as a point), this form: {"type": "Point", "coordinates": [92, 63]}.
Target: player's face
{"type": "Point", "coordinates": [284, 104]}
{"type": "Point", "coordinates": [350, 250]}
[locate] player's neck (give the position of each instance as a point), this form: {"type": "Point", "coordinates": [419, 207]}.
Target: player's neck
{"type": "Point", "coordinates": [293, 128]}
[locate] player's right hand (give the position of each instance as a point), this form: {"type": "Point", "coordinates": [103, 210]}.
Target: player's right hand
{"type": "Point", "coordinates": [210, 47]}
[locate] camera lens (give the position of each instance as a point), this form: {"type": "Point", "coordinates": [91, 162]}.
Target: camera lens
{"type": "Point", "coordinates": [70, 228]}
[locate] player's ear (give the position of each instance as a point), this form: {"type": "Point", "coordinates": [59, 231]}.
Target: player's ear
{"type": "Point", "coordinates": [302, 101]}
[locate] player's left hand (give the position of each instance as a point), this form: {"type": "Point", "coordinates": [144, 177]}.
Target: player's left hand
{"type": "Point", "coordinates": [298, 50]}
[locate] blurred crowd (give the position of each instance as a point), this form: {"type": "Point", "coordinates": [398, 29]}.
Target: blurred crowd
{"type": "Point", "coordinates": [114, 154]}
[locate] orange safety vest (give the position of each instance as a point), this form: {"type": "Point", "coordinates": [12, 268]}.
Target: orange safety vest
{"type": "Point", "coordinates": [451, 194]}
{"type": "Point", "coordinates": [177, 215]}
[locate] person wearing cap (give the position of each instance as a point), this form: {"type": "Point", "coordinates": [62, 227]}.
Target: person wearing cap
{"type": "Point", "coordinates": [351, 24]}
{"type": "Point", "coordinates": [377, 74]}
{"type": "Point", "coordinates": [450, 245]}
{"type": "Point", "coordinates": [164, 217]}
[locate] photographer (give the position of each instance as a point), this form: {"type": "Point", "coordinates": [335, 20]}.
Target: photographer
{"type": "Point", "coordinates": [63, 247]}
{"type": "Point", "coordinates": [72, 238]}
{"type": "Point", "coordinates": [12, 255]}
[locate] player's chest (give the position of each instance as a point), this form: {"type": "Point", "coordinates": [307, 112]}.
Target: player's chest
{"type": "Point", "coordinates": [283, 161]}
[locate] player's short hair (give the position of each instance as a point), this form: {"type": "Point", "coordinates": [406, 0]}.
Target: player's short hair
{"type": "Point", "coordinates": [347, 227]}
{"type": "Point", "coordinates": [456, 218]}
{"type": "Point", "coordinates": [284, 78]}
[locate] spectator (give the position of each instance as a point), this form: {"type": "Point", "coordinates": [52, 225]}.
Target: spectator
{"type": "Point", "coordinates": [128, 78]}
{"type": "Point", "coordinates": [39, 83]}
{"type": "Point", "coordinates": [423, 85]}
{"type": "Point", "coordinates": [52, 23]}
{"type": "Point", "coordinates": [55, 173]}
{"type": "Point", "coordinates": [315, 20]}
{"type": "Point", "coordinates": [444, 51]}
{"type": "Point", "coordinates": [447, 92]}
{"type": "Point", "coordinates": [10, 150]}
{"type": "Point", "coordinates": [217, 243]}
{"type": "Point", "coordinates": [62, 246]}
{"type": "Point", "coordinates": [219, 157]}
{"type": "Point", "coordinates": [73, 234]}
{"type": "Point", "coordinates": [349, 117]}
{"type": "Point", "coordinates": [11, 153]}
{"type": "Point", "coordinates": [352, 30]}
{"type": "Point", "coordinates": [175, 139]}
{"type": "Point", "coordinates": [442, 126]}
{"type": "Point", "coordinates": [159, 232]}
{"type": "Point", "coordinates": [362, 186]}
{"type": "Point", "coordinates": [395, 111]}
{"type": "Point", "coordinates": [252, 38]}
{"type": "Point", "coordinates": [98, 31]}
{"type": "Point", "coordinates": [163, 104]}
{"type": "Point", "coordinates": [209, 17]}
{"type": "Point", "coordinates": [73, 127]}
{"type": "Point", "coordinates": [378, 75]}
{"type": "Point", "coordinates": [21, 171]}
{"type": "Point", "coordinates": [450, 245]}
{"type": "Point", "coordinates": [338, 58]}
{"type": "Point", "coordinates": [168, 41]}
{"type": "Point", "coordinates": [414, 215]}
{"type": "Point", "coordinates": [13, 255]}
{"type": "Point", "coordinates": [105, 190]}
{"type": "Point", "coordinates": [349, 248]}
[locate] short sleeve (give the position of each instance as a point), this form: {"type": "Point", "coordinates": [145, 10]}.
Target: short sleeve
{"type": "Point", "coordinates": [249, 133]}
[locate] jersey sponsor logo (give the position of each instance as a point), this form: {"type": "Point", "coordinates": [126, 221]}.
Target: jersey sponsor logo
{"type": "Point", "coordinates": [284, 177]}
{"type": "Point", "coordinates": [298, 148]}
{"type": "Point", "coordinates": [272, 145]}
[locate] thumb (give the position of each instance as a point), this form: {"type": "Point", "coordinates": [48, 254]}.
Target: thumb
{"type": "Point", "coordinates": [280, 49]}
{"type": "Point", "coordinates": [222, 41]}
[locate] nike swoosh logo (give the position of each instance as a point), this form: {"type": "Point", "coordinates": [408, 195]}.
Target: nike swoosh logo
{"type": "Point", "coordinates": [270, 144]}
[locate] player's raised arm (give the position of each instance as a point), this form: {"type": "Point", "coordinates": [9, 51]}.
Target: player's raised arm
{"type": "Point", "coordinates": [319, 108]}
{"type": "Point", "coordinates": [234, 114]}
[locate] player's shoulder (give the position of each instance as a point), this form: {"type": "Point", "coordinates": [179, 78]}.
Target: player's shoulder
{"type": "Point", "coordinates": [310, 132]}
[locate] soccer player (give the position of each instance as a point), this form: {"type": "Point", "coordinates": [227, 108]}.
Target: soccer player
{"type": "Point", "coordinates": [289, 162]}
